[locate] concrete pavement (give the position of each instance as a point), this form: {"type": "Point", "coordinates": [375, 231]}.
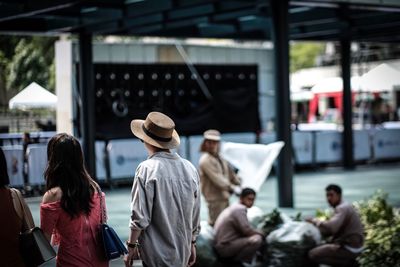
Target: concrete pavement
{"type": "Point", "coordinates": [308, 192]}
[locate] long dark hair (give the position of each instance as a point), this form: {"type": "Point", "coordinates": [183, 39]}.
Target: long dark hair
{"type": "Point", "coordinates": [4, 179]}
{"type": "Point", "coordinates": [66, 169]}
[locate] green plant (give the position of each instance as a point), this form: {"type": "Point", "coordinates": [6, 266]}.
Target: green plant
{"type": "Point", "coordinates": [382, 232]}
{"type": "Point", "coordinates": [270, 222]}
{"type": "Point", "coordinates": [323, 215]}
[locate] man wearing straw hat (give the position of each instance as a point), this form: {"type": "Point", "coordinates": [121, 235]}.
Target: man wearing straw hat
{"type": "Point", "coordinates": [165, 205]}
{"type": "Point", "coordinates": [218, 181]}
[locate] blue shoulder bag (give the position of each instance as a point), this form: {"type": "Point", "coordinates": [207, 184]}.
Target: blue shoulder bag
{"type": "Point", "coordinates": [112, 244]}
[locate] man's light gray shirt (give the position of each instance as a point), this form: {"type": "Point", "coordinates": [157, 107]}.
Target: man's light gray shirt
{"type": "Point", "coordinates": [165, 205]}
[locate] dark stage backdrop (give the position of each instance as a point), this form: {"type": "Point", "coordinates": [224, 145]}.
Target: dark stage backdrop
{"type": "Point", "coordinates": [130, 91]}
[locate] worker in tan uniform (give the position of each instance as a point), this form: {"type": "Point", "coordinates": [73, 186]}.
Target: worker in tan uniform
{"type": "Point", "coordinates": [217, 179]}
{"type": "Point", "coordinates": [234, 238]}
{"type": "Point", "coordinates": [346, 230]}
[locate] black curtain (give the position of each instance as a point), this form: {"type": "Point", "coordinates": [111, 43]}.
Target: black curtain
{"type": "Point", "coordinates": [130, 91]}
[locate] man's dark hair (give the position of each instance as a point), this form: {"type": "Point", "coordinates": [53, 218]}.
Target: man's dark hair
{"type": "Point", "coordinates": [335, 188]}
{"type": "Point", "coordinates": [247, 191]}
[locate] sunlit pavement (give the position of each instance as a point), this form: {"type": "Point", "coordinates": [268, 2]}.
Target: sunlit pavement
{"type": "Point", "coordinates": [308, 190]}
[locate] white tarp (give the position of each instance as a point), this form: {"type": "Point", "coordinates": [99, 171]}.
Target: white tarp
{"type": "Point", "coordinates": [381, 78]}
{"type": "Point", "coordinates": [254, 161]}
{"type": "Point", "coordinates": [33, 96]}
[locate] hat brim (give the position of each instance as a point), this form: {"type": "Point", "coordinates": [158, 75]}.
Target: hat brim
{"type": "Point", "coordinates": [137, 130]}
{"type": "Point", "coordinates": [212, 138]}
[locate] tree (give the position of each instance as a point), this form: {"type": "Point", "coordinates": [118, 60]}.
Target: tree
{"type": "Point", "coordinates": [24, 60]}
{"type": "Point", "coordinates": [304, 55]}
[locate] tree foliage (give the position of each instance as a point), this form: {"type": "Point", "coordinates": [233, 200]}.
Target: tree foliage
{"type": "Point", "coordinates": [24, 60]}
{"type": "Point", "coordinates": [304, 55]}
{"type": "Point", "coordinates": [382, 227]}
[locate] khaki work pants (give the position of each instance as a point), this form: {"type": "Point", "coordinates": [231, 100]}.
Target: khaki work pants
{"type": "Point", "coordinates": [333, 255]}
{"type": "Point", "coordinates": [242, 249]}
{"type": "Point", "coordinates": [214, 209]}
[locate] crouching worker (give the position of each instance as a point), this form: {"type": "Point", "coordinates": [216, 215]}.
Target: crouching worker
{"type": "Point", "coordinates": [234, 237]}
{"type": "Point", "coordinates": [345, 228]}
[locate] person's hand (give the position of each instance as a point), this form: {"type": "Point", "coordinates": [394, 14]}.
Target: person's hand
{"type": "Point", "coordinates": [313, 221]}
{"type": "Point", "coordinates": [133, 254]}
{"type": "Point", "coordinates": [309, 219]}
{"type": "Point", "coordinates": [192, 258]}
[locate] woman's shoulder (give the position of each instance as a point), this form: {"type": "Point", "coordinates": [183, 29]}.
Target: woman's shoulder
{"type": "Point", "coordinates": [52, 195]}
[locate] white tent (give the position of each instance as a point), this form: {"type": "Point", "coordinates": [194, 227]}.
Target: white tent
{"type": "Point", "coordinates": [335, 84]}
{"type": "Point", "coordinates": [381, 78]}
{"type": "Point", "coordinates": [33, 96]}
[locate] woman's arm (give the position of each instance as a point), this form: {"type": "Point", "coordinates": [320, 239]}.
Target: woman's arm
{"type": "Point", "coordinates": [48, 217]}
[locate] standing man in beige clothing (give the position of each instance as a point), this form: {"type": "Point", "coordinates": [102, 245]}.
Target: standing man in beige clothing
{"type": "Point", "coordinates": [345, 228]}
{"type": "Point", "coordinates": [234, 238]}
{"type": "Point", "coordinates": [217, 179]}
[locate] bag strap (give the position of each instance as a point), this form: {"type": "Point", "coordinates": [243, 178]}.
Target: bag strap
{"type": "Point", "coordinates": [22, 209]}
{"type": "Point", "coordinates": [17, 203]}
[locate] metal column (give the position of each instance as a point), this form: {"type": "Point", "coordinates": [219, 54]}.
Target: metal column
{"type": "Point", "coordinates": [280, 35]}
{"type": "Point", "coordinates": [87, 108]}
{"type": "Point", "coordinates": [348, 157]}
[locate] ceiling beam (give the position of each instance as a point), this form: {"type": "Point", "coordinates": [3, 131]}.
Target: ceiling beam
{"type": "Point", "coordinates": [38, 9]}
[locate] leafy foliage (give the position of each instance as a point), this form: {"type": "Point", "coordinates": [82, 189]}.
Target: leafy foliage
{"type": "Point", "coordinates": [304, 55]}
{"type": "Point", "coordinates": [24, 60]}
{"type": "Point", "coordinates": [323, 215]}
{"type": "Point", "coordinates": [31, 63]}
{"type": "Point", "coordinates": [382, 228]}
{"type": "Point", "coordinates": [270, 222]}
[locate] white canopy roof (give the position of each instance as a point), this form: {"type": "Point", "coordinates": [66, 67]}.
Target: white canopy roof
{"type": "Point", "coordinates": [33, 96]}
{"type": "Point", "coordinates": [381, 78]}
{"type": "Point", "coordinates": [335, 84]}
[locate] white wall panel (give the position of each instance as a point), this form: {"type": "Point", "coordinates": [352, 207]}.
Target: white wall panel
{"type": "Point", "coordinates": [15, 164]}
{"type": "Point", "coordinates": [328, 147]}
{"type": "Point", "coordinates": [362, 145]}
{"type": "Point", "coordinates": [233, 55]}
{"type": "Point", "coordinates": [37, 160]}
{"type": "Point", "coordinates": [100, 165]}
{"type": "Point", "coordinates": [125, 155]}
{"type": "Point", "coordinates": [118, 53]}
{"type": "Point", "coordinates": [135, 53]}
{"type": "Point", "coordinates": [302, 143]}
{"type": "Point", "coordinates": [218, 56]}
{"type": "Point", "coordinates": [193, 54]}
{"type": "Point", "coordinates": [101, 53]}
{"type": "Point", "coordinates": [386, 144]}
{"type": "Point", "coordinates": [150, 54]}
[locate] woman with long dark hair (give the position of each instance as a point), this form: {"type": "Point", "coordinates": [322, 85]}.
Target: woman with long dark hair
{"type": "Point", "coordinates": [11, 224]}
{"type": "Point", "coordinates": [70, 211]}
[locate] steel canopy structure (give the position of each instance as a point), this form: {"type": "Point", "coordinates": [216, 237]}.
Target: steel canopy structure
{"type": "Point", "coordinates": [363, 20]}
{"type": "Point", "coordinates": [276, 20]}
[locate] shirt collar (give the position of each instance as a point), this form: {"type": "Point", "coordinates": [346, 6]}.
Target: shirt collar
{"type": "Point", "coordinates": [163, 154]}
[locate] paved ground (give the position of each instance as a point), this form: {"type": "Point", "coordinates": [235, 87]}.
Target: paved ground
{"type": "Point", "coordinates": [308, 194]}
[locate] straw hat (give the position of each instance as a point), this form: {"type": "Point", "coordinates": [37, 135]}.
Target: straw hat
{"type": "Point", "coordinates": [213, 135]}
{"type": "Point", "coordinates": [158, 130]}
